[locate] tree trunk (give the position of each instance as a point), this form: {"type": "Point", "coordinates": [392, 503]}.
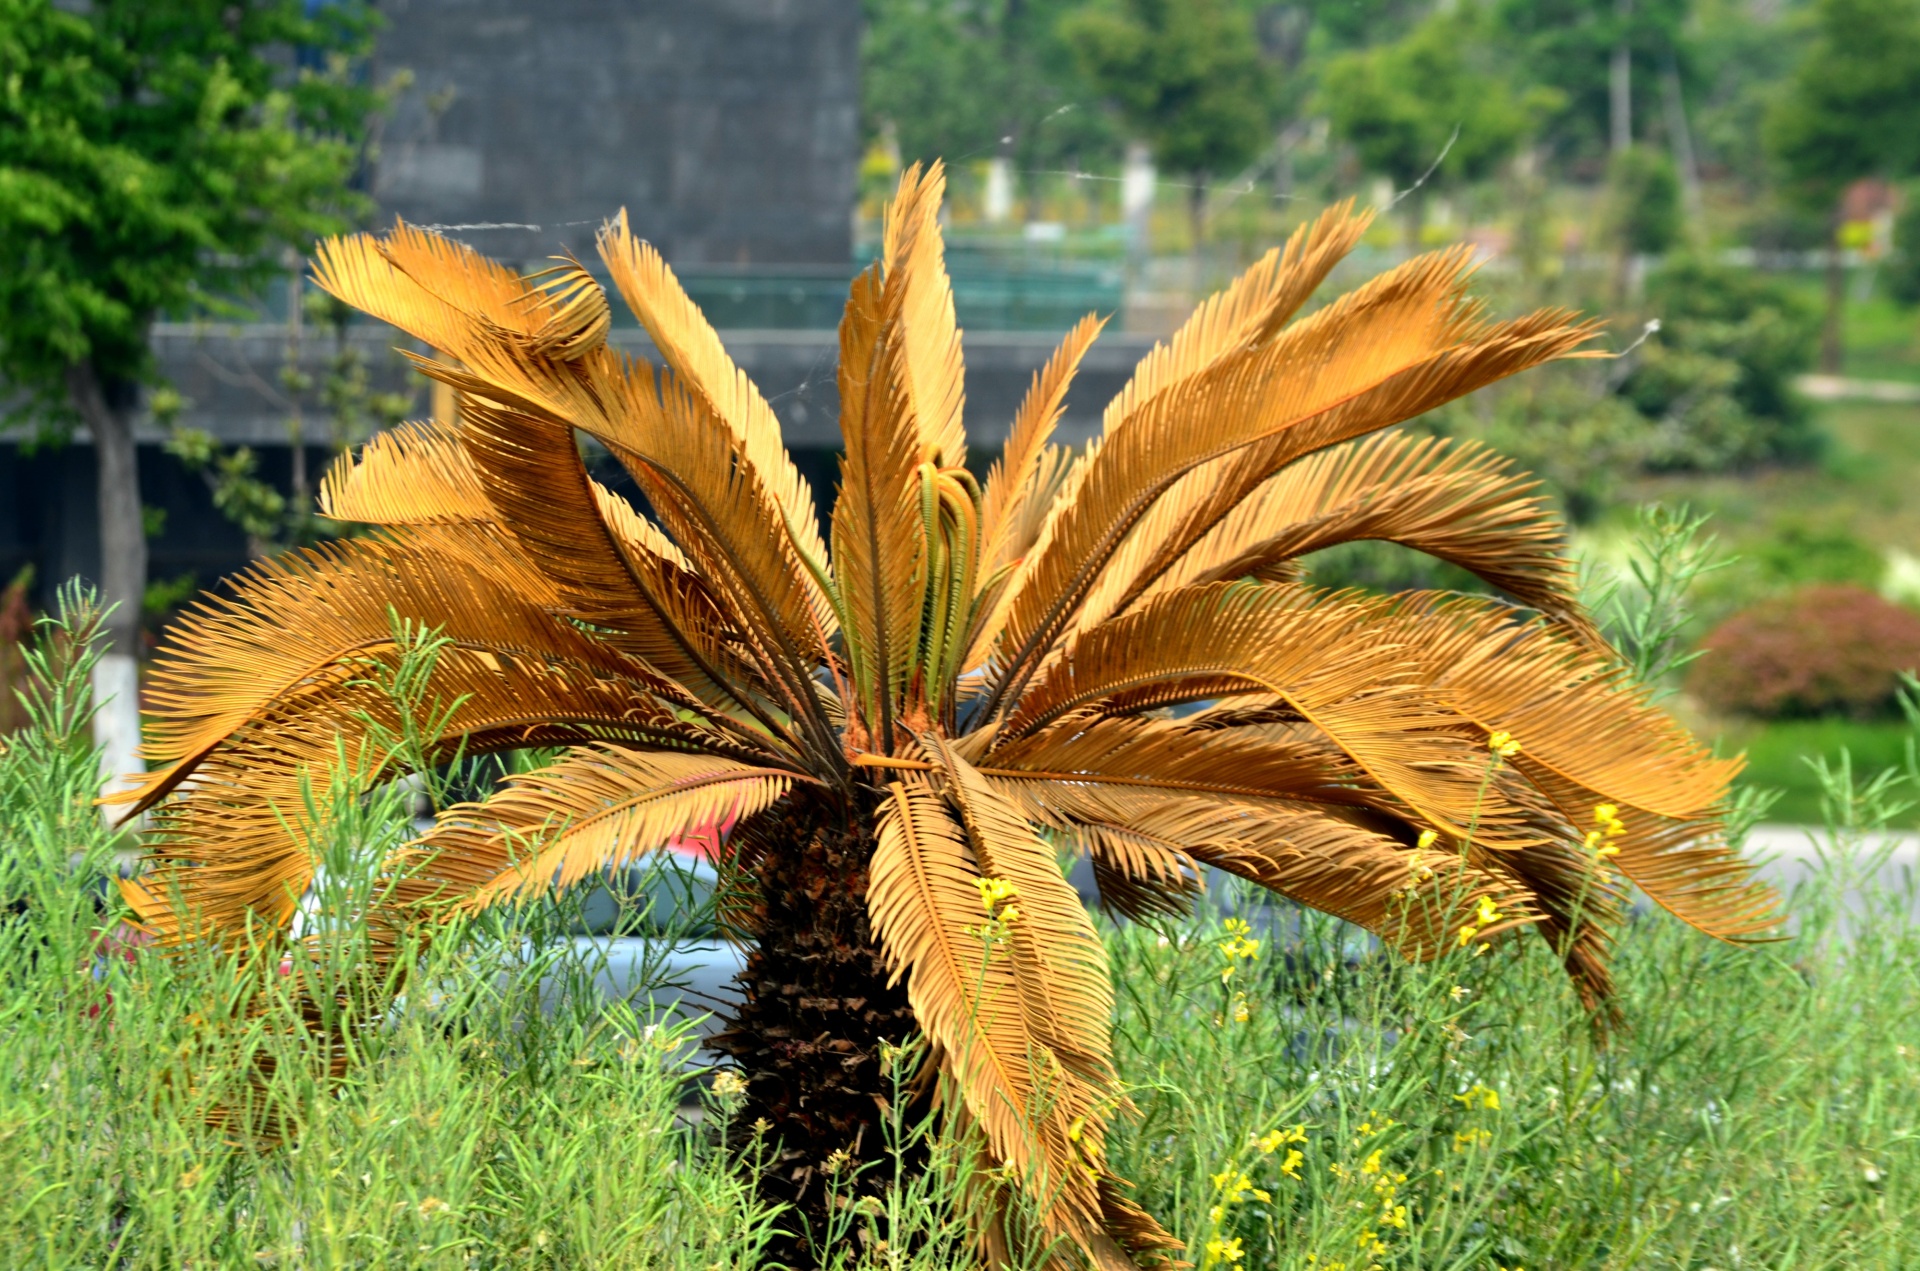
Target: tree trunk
{"type": "Point", "coordinates": [123, 572]}
{"type": "Point", "coordinates": [1832, 327]}
{"type": "Point", "coordinates": [810, 1034]}
{"type": "Point", "coordinates": [1620, 82]}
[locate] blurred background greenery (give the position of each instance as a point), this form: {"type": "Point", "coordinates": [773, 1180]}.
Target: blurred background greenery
{"type": "Point", "coordinates": [1741, 173]}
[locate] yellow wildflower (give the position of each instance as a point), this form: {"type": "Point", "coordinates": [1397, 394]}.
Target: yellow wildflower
{"type": "Point", "coordinates": [1372, 1164]}
{"type": "Point", "coordinates": [1503, 744]}
{"type": "Point", "coordinates": [1428, 838]}
{"type": "Point", "coordinates": [992, 892]}
{"type": "Point", "coordinates": [1291, 1166]}
{"type": "Point", "coordinates": [1224, 1250]}
{"type": "Point", "coordinates": [1485, 1096]}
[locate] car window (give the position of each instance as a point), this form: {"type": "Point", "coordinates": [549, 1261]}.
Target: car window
{"type": "Point", "coordinates": [660, 895]}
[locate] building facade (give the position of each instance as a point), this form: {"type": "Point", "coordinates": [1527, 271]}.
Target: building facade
{"type": "Point", "coordinates": [728, 129]}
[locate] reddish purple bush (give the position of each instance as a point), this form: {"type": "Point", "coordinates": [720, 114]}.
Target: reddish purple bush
{"type": "Point", "coordinates": [1832, 649]}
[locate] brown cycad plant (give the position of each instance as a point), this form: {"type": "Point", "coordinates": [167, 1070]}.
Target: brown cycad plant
{"type": "Point", "coordinates": [911, 723]}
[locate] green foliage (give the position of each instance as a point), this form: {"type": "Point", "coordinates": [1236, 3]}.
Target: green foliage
{"type": "Point", "coordinates": [955, 80]}
{"type": "Point", "coordinates": [1568, 45]}
{"type": "Point", "coordinates": [1718, 378]}
{"type": "Point", "coordinates": [1187, 76]}
{"type": "Point", "coordinates": [1400, 104]}
{"type": "Point", "coordinates": [1852, 108]}
{"type": "Point", "coordinates": [1902, 273]}
{"type": "Point", "coordinates": [1643, 201]}
{"type": "Point", "coordinates": [152, 154]}
{"type": "Point", "coordinates": [1646, 613]}
{"type": "Point", "coordinates": [1384, 567]}
{"type": "Point", "coordinates": [1564, 425]}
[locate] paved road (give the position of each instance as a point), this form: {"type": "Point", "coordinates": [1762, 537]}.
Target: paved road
{"type": "Point", "coordinates": [1834, 388]}
{"type": "Point", "coordinates": [1884, 864]}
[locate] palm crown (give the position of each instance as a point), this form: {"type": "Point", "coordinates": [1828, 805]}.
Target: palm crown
{"type": "Point", "coordinates": [906, 731]}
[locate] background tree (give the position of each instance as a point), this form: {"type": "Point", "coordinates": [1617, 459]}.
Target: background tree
{"type": "Point", "coordinates": [1187, 77]}
{"type": "Point", "coordinates": [1437, 100]}
{"type": "Point", "coordinates": [1643, 215]}
{"type": "Point", "coordinates": [155, 156]}
{"type": "Point", "coordinates": [1580, 48]}
{"type": "Point", "coordinates": [1851, 110]}
{"type": "Point", "coordinates": [980, 77]}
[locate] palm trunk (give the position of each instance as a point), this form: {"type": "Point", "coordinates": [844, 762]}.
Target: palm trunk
{"type": "Point", "coordinates": [810, 1036]}
{"type": "Point", "coordinates": [123, 572]}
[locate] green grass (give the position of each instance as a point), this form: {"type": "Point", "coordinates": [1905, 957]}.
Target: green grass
{"type": "Point", "coordinates": [1882, 340]}
{"type": "Point", "coordinates": [1780, 756]}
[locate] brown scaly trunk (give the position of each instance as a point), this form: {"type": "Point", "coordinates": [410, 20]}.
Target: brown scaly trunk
{"type": "Point", "coordinates": [808, 1038]}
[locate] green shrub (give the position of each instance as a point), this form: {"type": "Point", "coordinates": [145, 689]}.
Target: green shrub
{"type": "Point", "coordinates": [1822, 650]}
{"type": "Point", "coordinates": [1717, 380]}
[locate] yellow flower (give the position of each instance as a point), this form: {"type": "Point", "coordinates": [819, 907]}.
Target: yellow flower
{"type": "Point", "coordinates": [1241, 1011]}
{"type": "Point", "coordinates": [1486, 912]}
{"type": "Point", "coordinates": [1275, 1139]}
{"type": "Point", "coordinates": [1458, 992]}
{"type": "Point", "coordinates": [1428, 838]}
{"type": "Point", "coordinates": [1224, 1250]}
{"type": "Point", "coordinates": [1372, 1164]}
{"type": "Point", "coordinates": [992, 892]}
{"type": "Point", "coordinates": [1503, 744]}
{"type": "Point", "coordinates": [1467, 933]}
{"type": "Point", "coordinates": [1485, 1096]}
{"type": "Point", "coordinates": [1291, 1166]}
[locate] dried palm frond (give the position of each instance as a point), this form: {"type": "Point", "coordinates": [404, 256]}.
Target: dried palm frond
{"type": "Point", "coordinates": [905, 722]}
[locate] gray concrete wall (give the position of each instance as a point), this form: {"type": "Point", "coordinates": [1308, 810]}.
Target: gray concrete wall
{"type": "Point", "coordinates": [728, 128]}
